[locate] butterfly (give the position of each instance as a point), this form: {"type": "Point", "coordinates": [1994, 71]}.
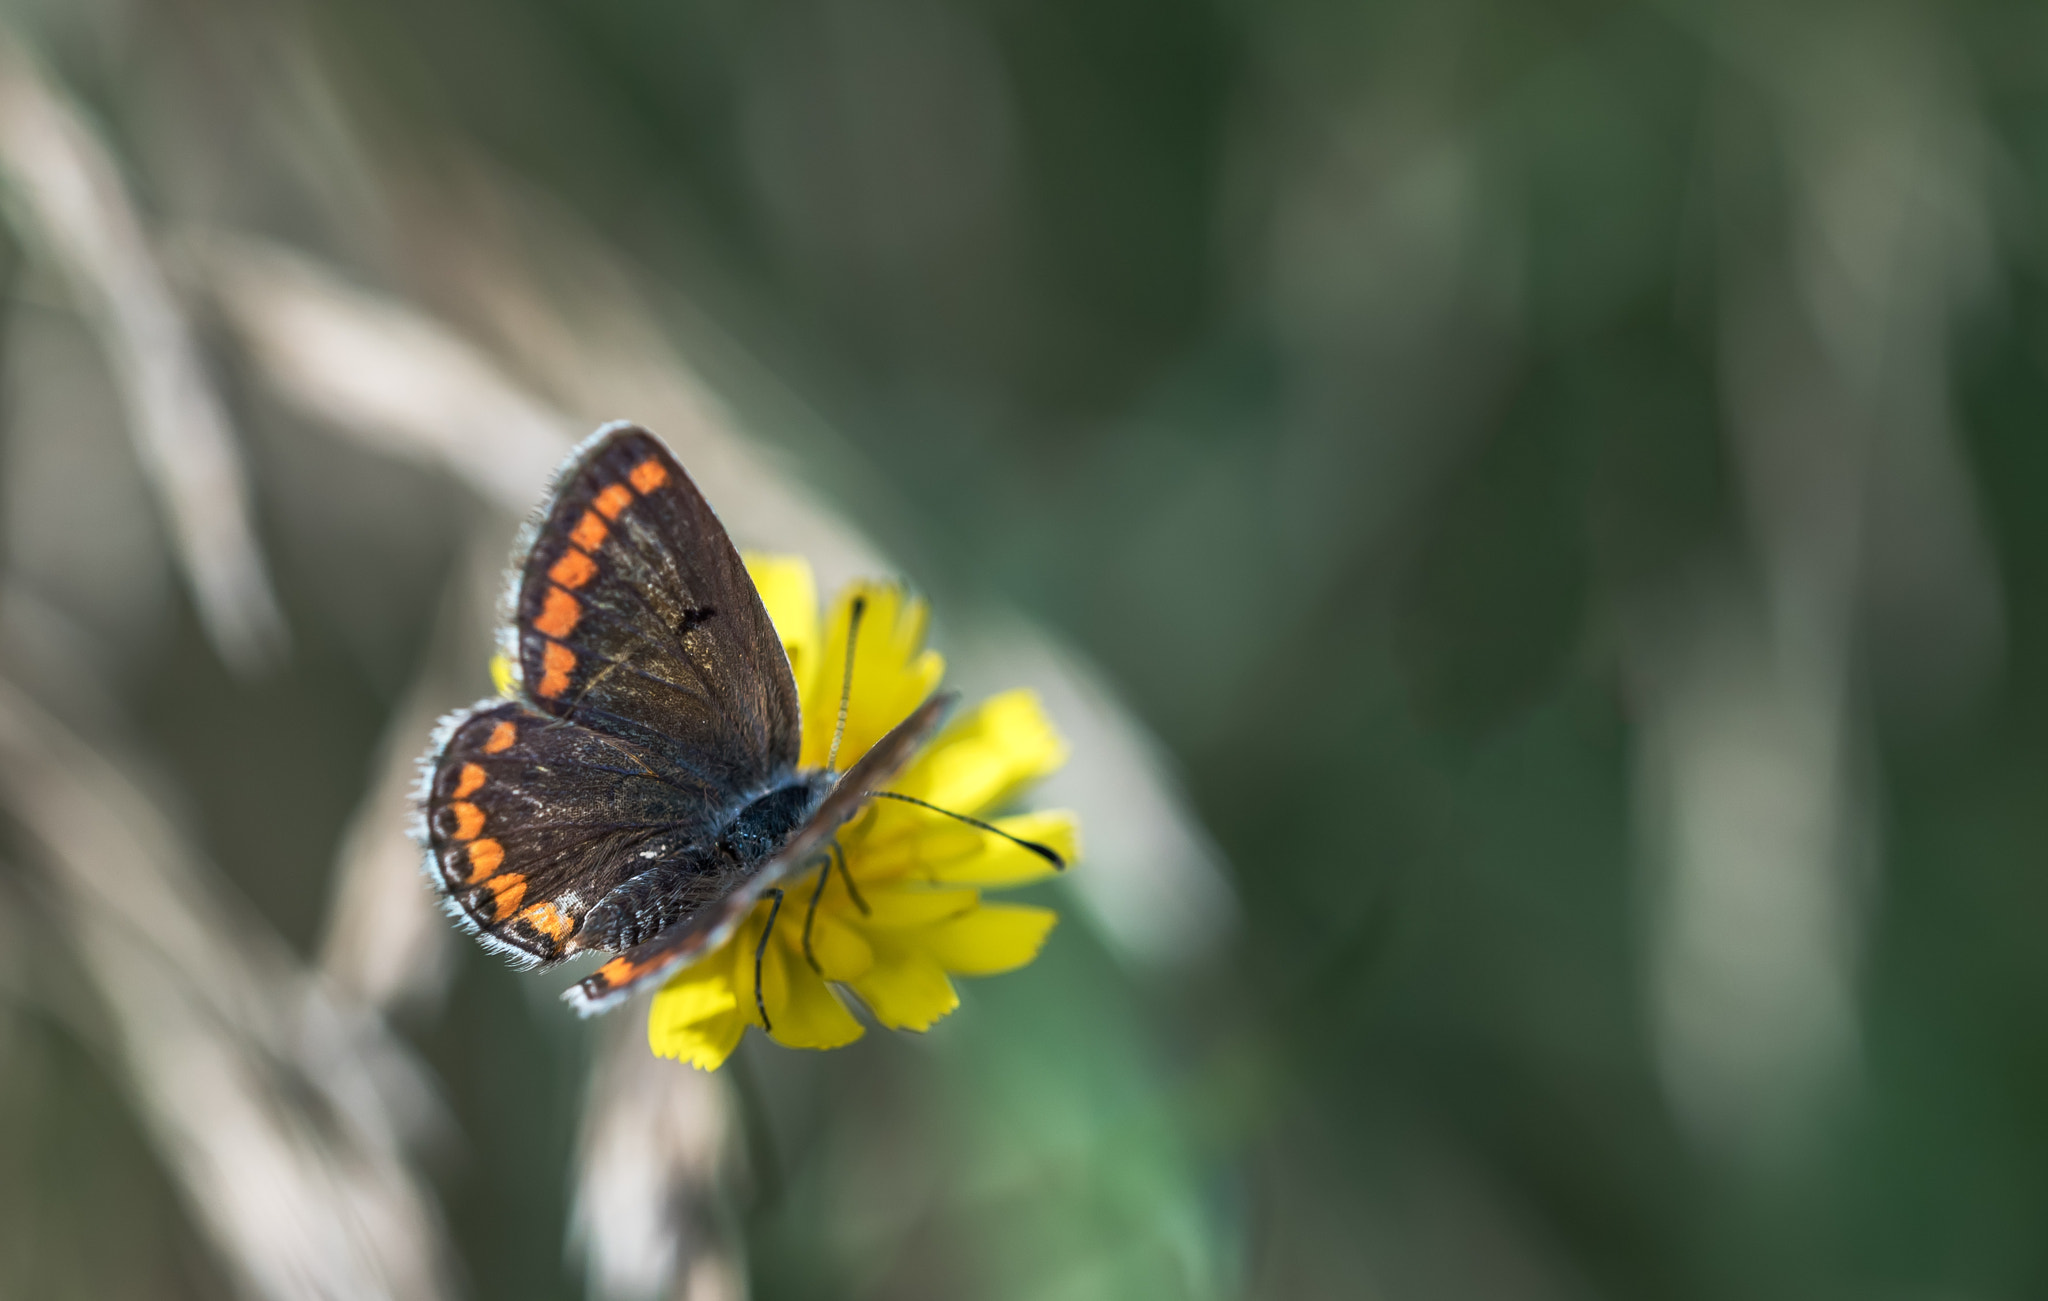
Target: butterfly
{"type": "Point", "coordinates": [639, 794]}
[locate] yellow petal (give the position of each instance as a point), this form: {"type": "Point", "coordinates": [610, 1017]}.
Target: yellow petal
{"type": "Point", "coordinates": [698, 1014]}
{"type": "Point", "coordinates": [504, 677]}
{"type": "Point", "coordinates": [790, 593]}
{"type": "Point", "coordinates": [694, 994]}
{"type": "Point", "coordinates": [695, 1016]}
{"type": "Point", "coordinates": [892, 673]}
{"type": "Point", "coordinates": [803, 1008]}
{"type": "Point", "coordinates": [840, 951]}
{"type": "Point", "coordinates": [992, 938]}
{"type": "Point", "coordinates": [897, 910]}
{"type": "Point", "coordinates": [1004, 744]}
{"type": "Point", "coordinates": [906, 990]}
{"type": "Point", "coordinates": [704, 1045]}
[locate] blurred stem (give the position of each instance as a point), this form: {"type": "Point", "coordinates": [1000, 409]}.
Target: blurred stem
{"type": "Point", "coordinates": [764, 1159]}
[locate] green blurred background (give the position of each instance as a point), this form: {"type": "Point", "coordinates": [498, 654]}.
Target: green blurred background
{"type": "Point", "coordinates": [1550, 495]}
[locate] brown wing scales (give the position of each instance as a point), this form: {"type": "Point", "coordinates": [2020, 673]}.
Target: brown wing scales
{"type": "Point", "coordinates": [635, 615]}
{"type": "Point", "coordinates": [531, 821]}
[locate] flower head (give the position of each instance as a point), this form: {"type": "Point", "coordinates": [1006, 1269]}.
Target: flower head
{"type": "Point", "coordinates": [898, 909]}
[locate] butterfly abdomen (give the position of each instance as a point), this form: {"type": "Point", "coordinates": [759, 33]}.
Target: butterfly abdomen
{"type": "Point", "coordinates": [651, 902]}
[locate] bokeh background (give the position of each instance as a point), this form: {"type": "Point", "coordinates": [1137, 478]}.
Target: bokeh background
{"type": "Point", "coordinates": [1531, 515]}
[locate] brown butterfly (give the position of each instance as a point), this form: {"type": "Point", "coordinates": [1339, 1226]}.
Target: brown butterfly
{"type": "Point", "coordinates": [640, 794]}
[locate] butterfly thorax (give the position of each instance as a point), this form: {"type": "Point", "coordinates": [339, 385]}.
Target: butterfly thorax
{"type": "Point", "coordinates": [765, 824]}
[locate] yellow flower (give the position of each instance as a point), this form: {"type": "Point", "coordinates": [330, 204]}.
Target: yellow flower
{"type": "Point", "coordinates": [906, 913]}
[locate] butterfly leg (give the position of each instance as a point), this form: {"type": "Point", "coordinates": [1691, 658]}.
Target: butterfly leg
{"type": "Point", "coordinates": [839, 857]}
{"type": "Point", "coordinates": [811, 913]}
{"type": "Point", "coordinates": [760, 950]}
{"type": "Point", "coordinates": [836, 855]}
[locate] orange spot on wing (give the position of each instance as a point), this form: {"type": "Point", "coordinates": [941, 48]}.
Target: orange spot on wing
{"type": "Point", "coordinates": [484, 858]}
{"type": "Point", "coordinates": [613, 500]}
{"type": "Point", "coordinates": [501, 740]}
{"type": "Point", "coordinates": [471, 781]}
{"type": "Point", "coordinates": [548, 920]}
{"type": "Point", "coordinates": [469, 819]}
{"type": "Point", "coordinates": [574, 569]}
{"type": "Point", "coordinates": [648, 475]}
{"type": "Point", "coordinates": [590, 532]}
{"type": "Point", "coordinates": [506, 892]}
{"type": "Point", "coordinates": [559, 614]}
{"type": "Point", "coordinates": [616, 972]}
{"type": "Point", "coordinates": [557, 660]}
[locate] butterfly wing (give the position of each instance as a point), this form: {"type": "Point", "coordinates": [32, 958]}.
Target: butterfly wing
{"type": "Point", "coordinates": [532, 820]}
{"type": "Point", "coordinates": [635, 617]}
{"type": "Point", "coordinates": [710, 926]}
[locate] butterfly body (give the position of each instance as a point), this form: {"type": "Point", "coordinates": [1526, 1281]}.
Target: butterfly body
{"type": "Point", "coordinates": [641, 790]}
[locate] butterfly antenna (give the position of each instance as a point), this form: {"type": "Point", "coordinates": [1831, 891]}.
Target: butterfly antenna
{"type": "Point", "coordinates": [860, 607]}
{"type": "Point", "coordinates": [1046, 852]}
{"type": "Point", "coordinates": [760, 1003]}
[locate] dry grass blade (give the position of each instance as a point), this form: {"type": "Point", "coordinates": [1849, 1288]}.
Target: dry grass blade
{"type": "Point", "coordinates": [386, 374]}
{"type": "Point", "coordinates": [386, 942]}
{"type": "Point", "coordinates": [67, 201]}
{"type": "Point", "coordinates": [280, 1113]}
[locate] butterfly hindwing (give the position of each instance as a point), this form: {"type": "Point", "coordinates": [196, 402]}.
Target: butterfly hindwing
{"type": "Point", "coordinates": [635, 616]}
{"type": "Point", "coordinates": [532, 820]}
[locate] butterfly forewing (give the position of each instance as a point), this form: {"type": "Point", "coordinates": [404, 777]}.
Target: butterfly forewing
{"type": "Point", "coordinates": [636, 617]}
